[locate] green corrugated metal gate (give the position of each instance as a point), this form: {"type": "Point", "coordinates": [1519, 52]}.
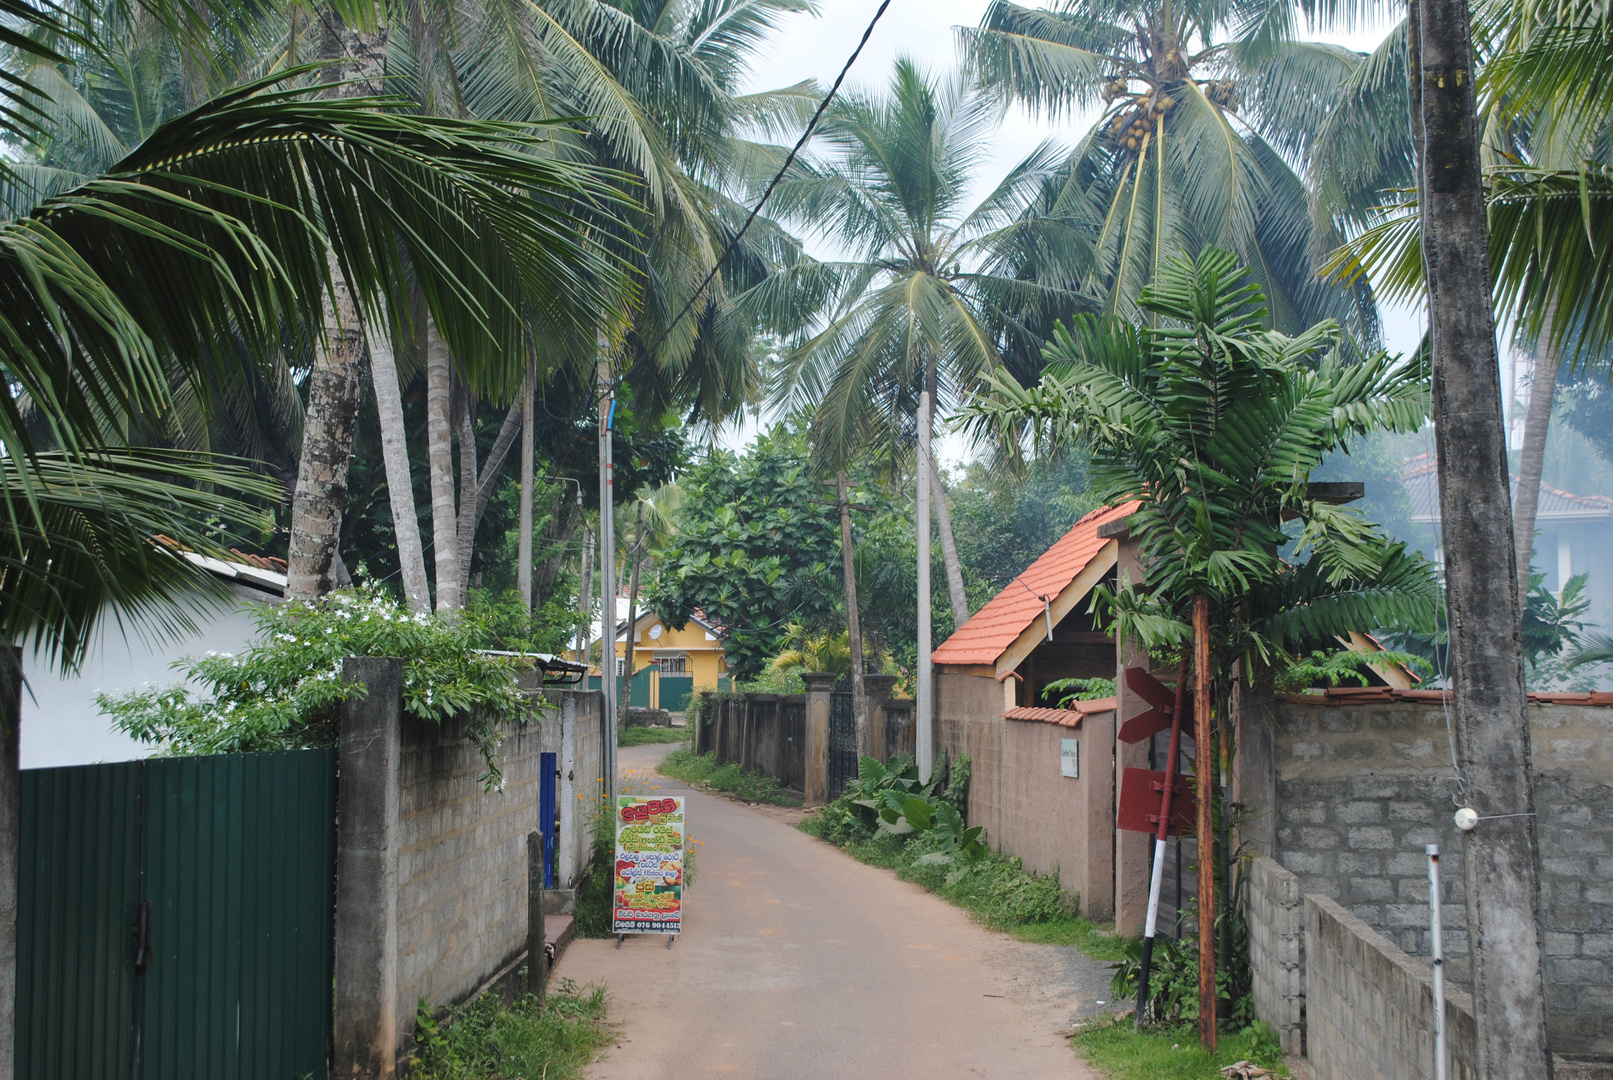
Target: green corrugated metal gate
{"type": "Point", "coordinates": [174, 918]}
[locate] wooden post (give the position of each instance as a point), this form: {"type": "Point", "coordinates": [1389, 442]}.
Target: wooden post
{"type": "Point", "coordinates": [1203, 767]}
{"type": "Point", "coordinates": [537, 957]}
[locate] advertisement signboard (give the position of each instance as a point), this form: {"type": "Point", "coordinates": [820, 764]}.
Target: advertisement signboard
{"type": "Point", "coordinates": [647, 894]}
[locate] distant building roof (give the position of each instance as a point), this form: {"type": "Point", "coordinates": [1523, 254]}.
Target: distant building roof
{"type": "Point", "coordinates": [259, 573]}
{"type": "Point", "coordinates": [1038, 593]}
{"type": "Point", "coordinates": [1421, 477]}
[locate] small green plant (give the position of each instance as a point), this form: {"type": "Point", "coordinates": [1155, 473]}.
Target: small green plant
{"type": "Point", "coordinates": [702, 771]}
{"type": "Point", "coordinates": [488, 1039]}
{"type": "Point", "coordinates": [286, 690]}
{"type": "Point", "coordinates": [1066, 691]}
{"type": "Point", "coordinates": [1324, 668]}
{"type": "Point", "coordinates": [592, 914]}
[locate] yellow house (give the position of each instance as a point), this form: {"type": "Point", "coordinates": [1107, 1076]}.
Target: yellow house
{"type": "Point", "coordinates": [668, 664]}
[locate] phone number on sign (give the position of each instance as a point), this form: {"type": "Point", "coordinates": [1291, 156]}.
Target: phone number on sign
{"type": "Point", "coordinates": [653, 926]}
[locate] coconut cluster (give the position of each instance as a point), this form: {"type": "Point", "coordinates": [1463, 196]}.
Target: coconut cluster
{"type": "Point", "coordinates": [1130, 126]}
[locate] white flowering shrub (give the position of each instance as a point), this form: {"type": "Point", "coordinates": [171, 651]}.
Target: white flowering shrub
{"type": "Point", "coordinates": [286, 691]}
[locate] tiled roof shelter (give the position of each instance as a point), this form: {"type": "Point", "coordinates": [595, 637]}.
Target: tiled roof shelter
{"type": "Point", "coordinates": [1001, 634]}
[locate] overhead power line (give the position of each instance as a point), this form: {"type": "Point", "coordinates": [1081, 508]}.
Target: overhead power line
{"type": "Point", "coordinates": [768, 193]}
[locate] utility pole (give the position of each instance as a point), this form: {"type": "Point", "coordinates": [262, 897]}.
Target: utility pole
{"type": "Point", "coordinates": [607, 562]}
{"type": "Point", "coordinates": [523, 571]}
{"type": "Point", "coordinates": [925, 736]}
{"type": "Point", "coordinates": [1501, 854]}
{"type": "Point", "coordinates": [854, 630]}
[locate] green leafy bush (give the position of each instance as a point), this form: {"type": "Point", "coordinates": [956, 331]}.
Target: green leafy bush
{"type": "Point", "coordinates": [948, 859]}
{"type": "Point", "coordinates": [488, 1039]}
{"type": "Point", "coordinates": [286, 690]}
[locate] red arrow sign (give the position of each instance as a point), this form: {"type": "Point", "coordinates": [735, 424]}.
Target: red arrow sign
{"type": "Point", "coordinates": [1163, 699]}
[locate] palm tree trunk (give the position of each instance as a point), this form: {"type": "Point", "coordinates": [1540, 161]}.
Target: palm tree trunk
{"type": "Point", "coordinates": [636, 553]}
{"type": "Point", "coordinates": [949, 551]}
{"type": "Point", "coordinates": [1501, 857]}
{"type": "Point", "coordinates": [440, 455]}
{"type": "Point", "coordinates": [924, 742]}
{"type": "Point", "coordinates": [399, 483]}
{"type": "Point", "coordinates": [331, 419]}
{"type": "Point", "coordinates": [854, 629]}
{"type": "Point", "coordinates": [477, 482]}
{"type": "Point", "coordinates": [1532, 455]}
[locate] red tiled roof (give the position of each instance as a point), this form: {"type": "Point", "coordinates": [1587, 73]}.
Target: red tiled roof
{"type": "Point", "coordinates": [992, 629]}
{"type": "Point", "coordinates": [1365, 695]}
{"type": "Point", "coordinates": [1070, 717]}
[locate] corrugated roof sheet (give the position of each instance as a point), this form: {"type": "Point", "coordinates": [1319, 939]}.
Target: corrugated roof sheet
{"type": "Point", "coordinates": [1070, 717]}
{"type": "Point", "coordinates": [1365, 695]}
{"type": "Point", "coordinates": [992, 629]}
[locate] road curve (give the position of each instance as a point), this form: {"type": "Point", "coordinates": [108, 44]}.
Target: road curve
{"type": "Point", "coordinates": [796, 961]}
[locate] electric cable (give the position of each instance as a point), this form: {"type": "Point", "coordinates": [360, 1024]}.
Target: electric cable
{"type": "Point", "coordinates": [777, 179]}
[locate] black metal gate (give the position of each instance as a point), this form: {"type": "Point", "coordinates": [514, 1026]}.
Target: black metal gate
{"type": "Point", "coordinates": [842, 736]}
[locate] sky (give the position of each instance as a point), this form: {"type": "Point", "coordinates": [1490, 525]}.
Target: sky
{"type": "Point", "coordinates": [815, 47]}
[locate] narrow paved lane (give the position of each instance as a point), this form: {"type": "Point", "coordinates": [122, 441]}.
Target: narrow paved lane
{"type": "Point", "coordinates": [798, 962]}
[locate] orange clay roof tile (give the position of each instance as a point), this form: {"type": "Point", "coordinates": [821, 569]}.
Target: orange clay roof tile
{"type": "Point", "coordinates": [1070, 717]}
{"type": "Point", "coordinates": [992, 629]}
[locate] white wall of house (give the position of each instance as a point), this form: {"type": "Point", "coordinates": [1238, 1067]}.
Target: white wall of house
{"type": "Point", "coordinates": [61, 724]}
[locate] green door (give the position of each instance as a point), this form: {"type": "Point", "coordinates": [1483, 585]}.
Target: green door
{"type": "Point", "coordinates": [675, 691]}
{"type": "Point", "coordinates": [177, 918]}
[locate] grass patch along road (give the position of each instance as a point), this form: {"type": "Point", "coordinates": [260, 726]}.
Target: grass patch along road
{"type": "Point", "coordinates": [489, 1040]}
{"type": "Point", "coordinates": [702, 771]}
{"type": "Point", "coordinates": [644, 736]}
{"type": "Point", "coordinates": [1120, 1051]}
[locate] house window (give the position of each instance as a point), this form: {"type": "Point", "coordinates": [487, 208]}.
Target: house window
{"type": "Point", "coordinates": [621, 666]}
{"type": "Point", "coordinates": [674, 665]}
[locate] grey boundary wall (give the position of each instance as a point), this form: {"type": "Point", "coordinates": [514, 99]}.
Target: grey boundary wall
{"type": "Point", "coordinates": [1275, 915]}
{"type": "Point", "coordinates": [1360, 788]}
{"type": "Point", "coordinates": [1370, 1007]}
{"type": "Point", "coordinates": [431, 886]}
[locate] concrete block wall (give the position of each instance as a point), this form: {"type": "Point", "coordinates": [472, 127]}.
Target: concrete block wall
{"type": "Point", "coordinates": [580, 718]}
{"type": "Point", "coordinates": [1361, 788]}
{"type": "Point", "coordinates": [462, 875]}
{"type": "Point", "coordinates": [968, 719]}
{"type": "Point", "coordinates": [1054, 823]}
{"type": "Point", "coordinates": [1275, 915]}
{"type": "Point", "coordinates": [432, 865]}
{"type": "Point", "coordinates": [1369, 1007]}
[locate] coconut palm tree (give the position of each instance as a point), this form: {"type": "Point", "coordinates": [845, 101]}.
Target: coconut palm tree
{"type": "Point", "coordinates": [207, 241]}
{"type": "Point", "coordinates": [657, 85]}
{"type": "Point", "coordinates": [1547, 160]}
{"type": "Point", "coordinates": [1195, 142]}
{"type": "Point", "coordinates": [932, 294]}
